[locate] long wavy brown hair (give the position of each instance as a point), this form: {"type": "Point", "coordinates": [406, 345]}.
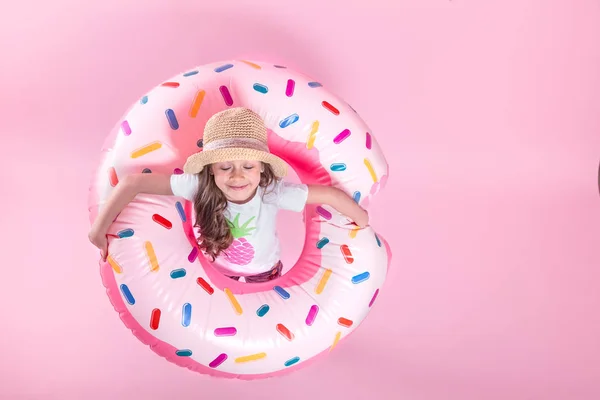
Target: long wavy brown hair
{"type": "Point", "coordinates": [210, 203]}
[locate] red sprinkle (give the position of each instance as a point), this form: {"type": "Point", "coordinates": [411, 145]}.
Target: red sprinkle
{"type": "Point", "coordinates": [345, 322]}
{"type": "Point", "coordinates": [205, 285]}
{"type": "Point", "coordinates": [285, 332]}
{"type": "Point", "coordinates": [347, 253]}
{"type": "Point", "coordinates": [112, 177]}
{"type": "Point", "coordinates": [171, 84]}
{"type": "Point", "coordinates": [330, 108]}
{"type": "Point", "coordinates": [159, 219]}
{"type": "Point", "coordinates": [155, 319]}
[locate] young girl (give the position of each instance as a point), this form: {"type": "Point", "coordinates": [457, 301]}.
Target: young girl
{"type": "Point", "coordinates": [236, 187]}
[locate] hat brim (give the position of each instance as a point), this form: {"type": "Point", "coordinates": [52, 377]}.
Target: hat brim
{"type": "Point", "coordinates": [196, 162]}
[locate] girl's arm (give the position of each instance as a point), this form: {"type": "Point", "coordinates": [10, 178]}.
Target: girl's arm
{"type": "Point", "coordinates": [339, 200]}
{"type": "Point", "coordinates": [125, 192]}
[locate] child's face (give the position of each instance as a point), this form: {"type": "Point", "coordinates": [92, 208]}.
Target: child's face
{"type": "Point", "coordinates": [237, 179]}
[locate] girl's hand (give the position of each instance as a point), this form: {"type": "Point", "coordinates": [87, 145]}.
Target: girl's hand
{"type": "Point", "coordinates": [100, 241]}
{"type": "Point", "coordinates": [362, 218]}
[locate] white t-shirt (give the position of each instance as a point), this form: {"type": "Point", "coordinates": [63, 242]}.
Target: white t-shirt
{"type": "Point", "coordinates": [255, 248]}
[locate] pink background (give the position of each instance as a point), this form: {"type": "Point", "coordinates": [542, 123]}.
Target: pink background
{"type": "Point", "coordinates": [489, 113]}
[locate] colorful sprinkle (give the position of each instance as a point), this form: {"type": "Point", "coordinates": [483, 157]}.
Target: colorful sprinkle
{"type": "Point", "coordinates": [171, 84]}
{"type": "Point", "coordinates": [345, 322]}
{"type": "Point", "coordinates": [356, 196]}
{"type": "Point", "coordinates": [361, 277]}
{"type": "Point", "coordinates": [330, 108]}
{"type": "Point", "coordinates": [193, 254]}
{"type": "Point", "coordinates": [368, 141]}
{"type": "Point", "coordinates": [260, 88]}
{"type": "Point", "coordinates": [321, 243]}
{"type": "Point", "coordinates": [256, 66]}
{"type": "Point", "coordinates": [114, 264]}
{"type": "Point", "coordinates": [228, 331]}
{"type": "Point", "coordinates": [285, 332]}
{"type": "Point", "coordinates": [142, 151]}
{"type": "Point", "coordinates": [218, 361]}
{"type": "Point", "coordinates": [335, 340]}
{"type": "Point", "coordinates": [178, 171]}
{"type": "Point", "coordinates": [204, 285]}
{"type": "Point", "coordinates": [353, 232]}
{"type": "Point", "coordinates": [279, 66]}
{"type": "Point", "coordinates": [336, 167]}
{"type": "Point", "coordinates": [378, 241]}
{"type": "Point", "coordinates": [252, 357]}
{"type": "Point", "coordinates": [348, 257]}
{"type": "Point", "coordinates": [223, 67]}
{"type": "Point", "coordinates": [146, 171]}
{"type": "Point", "coordinates": [162, 221]}
{"type": "Point", "coordinates": [186, 317]}
{"type": "Point", "coordinates": [289, 121]}
{"type": "Point", "coordinates": [190, 73]}
{"type": "Point", "coordinates": [200, 143]}
{"type": "Point", "coordinates": [144, 100]}
{"type": "Point", "coordinates": [262, 310]}
{"type": "Point", "coordinates": [184, 353]}
{"type": "Point", "coordinates": [289, 89]}
{"type": "Point", "coordinates": [226, 95]}
{"type": "Point", "coordinates": [234, 303]}
{"type": "Point", "coordinates": [310, 142]}
{"type": "Point", "coordinates": [282, 292]}
{"type": "Point", "coordinates": [312, 314]}
{"type": "Point", "coordinates": [323, 212]}
{"type": "Point", "coordinates": [314, 84]}
{"type": "Point", "coordinates": [371, 170]}
{"type": "Point", "coordinates": [125, 233]}
{"type": "Point", "coordinates": [343, 135]}
{"type": "Point", "coordinates": [373, 298]}
{"type": "Point", "coordinates": [195, 107]}
{"type": "Point", "coordinates": [151, 257]}
{"type": "Point", "coordinates": [180, 211]}
{"type": "Point", "coordinates": [126, 128]}
{"type": "Point", "coordinates": [155, 319]}
{"type": "Point", "coordinates": [173, 123]}
{"type": "Point", "coordinates": [323, 281]}
{"type": "Point", "coordinates": [291, 361]}
{"type": "Point", "coordinates": [178, 273]}
{"type": "Point", "coordinates": [127, 293]}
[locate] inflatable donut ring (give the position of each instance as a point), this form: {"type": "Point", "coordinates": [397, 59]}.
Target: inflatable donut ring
{"type": "Point", "coordinates": [165, 290]}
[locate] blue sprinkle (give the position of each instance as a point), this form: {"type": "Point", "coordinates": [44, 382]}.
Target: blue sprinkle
{"type": "Point", "coordinates": [262, 310]}
{"type": "Point", "coordinates": [190, 73]}
{"type": "Point", "coordinates": [338, 167]}
{"type": "Point", "coordinates": [291, 361]}
{"type": "Point", "coordinates": [125, 233]}
{"type": "Point", "coordinates": [223, 67]}
{"type": "Point", "coordinates": [289, 120]}
{"type": "Point", "coordinates": [146, 171]}
{"type": "Point", "coordinates": [378, 241]}
{"type": "Point", "coordinates": [361, 277]}
{"type": "Point", "coordinates": [187, 314]}
{"type": "Point", "coordinates": [178, 273]}
{"type": "Point", "coordinates": [183, 353]}
{"type": "Point", "coordinates": [314, 84]}
{"type": "Point", "coordinates": [260, 88]}
{"type": "Point", "coordinates": [321, 243]}
{"type": "Point", "coordinates": [281, 291]}
{"type": "Point", "coordinates": [144, 100]}
{"type": "Point", "coordinates": [279, 66]}
{"type": "Point", "coordinates": [181, 212]}
{"type": "Point", "coordinates": [172, 119]}
{"type": "Point", "coordinates": [356, 196]}
{"type": "Point", "coordinates": [127, 294]}
{"type": "Point", "coordinates": [200, 143]}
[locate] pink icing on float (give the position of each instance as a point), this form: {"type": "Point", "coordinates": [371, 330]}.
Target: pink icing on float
{"type": "Point", "coordinates": [164, 289]}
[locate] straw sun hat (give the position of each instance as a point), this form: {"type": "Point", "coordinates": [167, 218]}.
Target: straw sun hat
{"type": "Point", "coordinates": [234, 134]}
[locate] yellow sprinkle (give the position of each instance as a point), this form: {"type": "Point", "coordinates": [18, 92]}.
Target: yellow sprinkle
{"type": "Point", "coordinates": [114, 264]}
{"type": "Point", "coordinates": [151, 257]}
{"type": "Point", "coordinates": [371, 170]}
{"type": "Point", "coordinates": [197, 103]}
{"type": "Point", "coordinates": [234, 302]}
{"type": "Point", "coordinates": [251, 64]}
{"type": "Point", "coordinates": [146, 149]}
{"type": "Point", "coordinates": [251, 357]}
{"type": "Point", "coordinates": [323, 281]}
{"type": "Point", "coordinates": [353, 232]}
{"type": "Point", "coordinates": [312, 135]}
{"type": "Point", "coordinates": [336, 340]}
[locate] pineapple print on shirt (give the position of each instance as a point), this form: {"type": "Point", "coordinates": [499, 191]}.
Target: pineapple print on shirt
{"type": "Point", "coordinates": [241, 251]}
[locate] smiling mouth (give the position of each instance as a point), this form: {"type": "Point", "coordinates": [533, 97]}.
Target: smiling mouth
{"type": "Point", "coordinates": [237, 188]}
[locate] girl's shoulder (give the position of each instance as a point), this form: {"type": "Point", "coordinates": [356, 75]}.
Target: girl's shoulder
{"type": "Point", "coordinates": [286, 195]}
{"type": "Point", "coordinates": [184, 185]}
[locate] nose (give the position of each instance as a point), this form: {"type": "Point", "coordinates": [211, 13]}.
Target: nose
{"type": "Point", "coordinates": [237, 173]}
